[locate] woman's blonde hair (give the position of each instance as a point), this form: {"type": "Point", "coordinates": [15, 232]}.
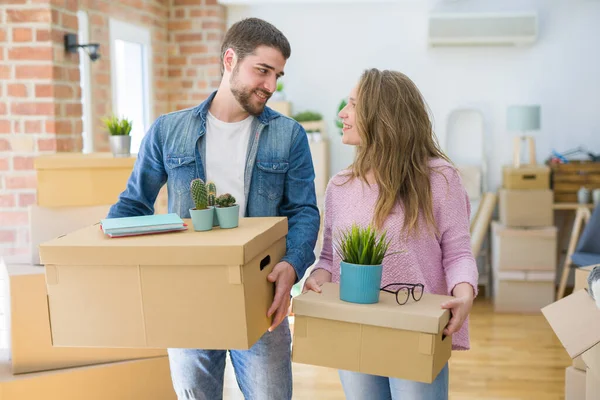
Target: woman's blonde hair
{"type": "Point", "coordinates": [397, 144]}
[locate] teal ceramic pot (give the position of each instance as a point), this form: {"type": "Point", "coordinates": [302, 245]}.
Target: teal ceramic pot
{"type": "Point", "coordinates": [360, 283]}
{"type": "Point", "coordinates": [228, 217]}
{"type": "Point", "coordinates": [202, 220]}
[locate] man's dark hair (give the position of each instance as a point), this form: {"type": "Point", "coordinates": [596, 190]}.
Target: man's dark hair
{"type": "Point", "coordinates": [246, 35]}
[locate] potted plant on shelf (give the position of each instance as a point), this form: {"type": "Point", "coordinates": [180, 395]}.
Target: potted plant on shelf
{"type": "Point", "coordinates": [362, 252]}
{"type": "Point", "coordinates": [312, 122]}
{"type": "Point", "coordinates": [120, 139]}
{"type": "Point", "coordinates": [228, 213]}
{"type": "Point", "coordinates": [202, 215]}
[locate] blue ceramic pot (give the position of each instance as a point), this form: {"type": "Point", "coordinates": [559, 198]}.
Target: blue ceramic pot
{"type": "Point", "coordinates": [360, 283]}
{"type": "Point", "coordinates": [228, 216]}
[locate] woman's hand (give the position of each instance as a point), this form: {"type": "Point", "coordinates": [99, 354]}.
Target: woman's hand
{"type": "Point", "coordinates": [315, 280]}
{"type": "Point", "coordinates": [460, 307]}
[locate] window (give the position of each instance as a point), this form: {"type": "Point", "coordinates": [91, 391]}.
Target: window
{"type": "Point", "coordinates": [130, 49]}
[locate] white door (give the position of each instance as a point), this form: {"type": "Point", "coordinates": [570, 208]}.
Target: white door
{"type": "Point", "coordinates": [131, 50]}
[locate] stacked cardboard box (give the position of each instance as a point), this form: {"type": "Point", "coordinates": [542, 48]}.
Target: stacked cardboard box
{"type": "Point", "coordinates": [576, 321]}
{"type": "Point", "coordinates": [33, 368]}
{"type": "Point", "coordinates": [74, 190]}
{"type": "Point", "coordinates": [575, 383]}
{"type": "Point", "coordinates": [524, 241]}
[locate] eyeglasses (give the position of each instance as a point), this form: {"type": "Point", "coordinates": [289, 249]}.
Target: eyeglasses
{"type": "Point", "coordinates": [404, 291]}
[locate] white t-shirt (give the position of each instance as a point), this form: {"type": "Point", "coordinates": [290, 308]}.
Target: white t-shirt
{"type": "Point", "coordinates": [226, 147]}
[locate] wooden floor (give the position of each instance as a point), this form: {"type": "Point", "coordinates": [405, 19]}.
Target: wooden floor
{"type": "Point", "coordinates": [512, 357]}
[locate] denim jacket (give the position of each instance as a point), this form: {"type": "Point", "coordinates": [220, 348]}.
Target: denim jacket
{"type": "Point", "coordinates": [278, 180]}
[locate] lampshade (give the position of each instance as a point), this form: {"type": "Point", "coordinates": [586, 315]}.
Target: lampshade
{"type": "Point", "coordinates": [523, 118]}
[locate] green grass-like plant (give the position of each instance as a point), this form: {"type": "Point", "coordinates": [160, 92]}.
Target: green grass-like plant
{"type": "Point", "coordinates": [308, 116]}
{"type": "Point", "coordinates": [117, 126]}
{"type": "Point", "coordinates": [362, 246]}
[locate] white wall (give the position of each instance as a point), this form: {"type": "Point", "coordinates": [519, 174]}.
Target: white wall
{"type": "Point", "coordinates": [333, 43]}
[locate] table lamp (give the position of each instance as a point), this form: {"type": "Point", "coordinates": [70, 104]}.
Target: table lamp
{"type": "Point", "coordinates": [523, 118]}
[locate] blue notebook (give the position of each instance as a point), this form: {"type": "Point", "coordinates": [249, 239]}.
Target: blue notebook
{"type": "Point", "coordinates": [146, 224]}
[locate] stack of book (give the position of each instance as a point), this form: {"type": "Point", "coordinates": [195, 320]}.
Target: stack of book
{"type": "Point", "coordinates": [142, 225]}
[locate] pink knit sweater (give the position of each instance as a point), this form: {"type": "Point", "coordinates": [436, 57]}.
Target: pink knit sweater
{"type": "Point", "coordinates": [439, 262]}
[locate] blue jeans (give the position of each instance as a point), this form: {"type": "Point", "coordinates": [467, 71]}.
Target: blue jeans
{"type": "Point", "coordinates": [264, 372]}
{"type": "Point", "coordinates": [359, 386]}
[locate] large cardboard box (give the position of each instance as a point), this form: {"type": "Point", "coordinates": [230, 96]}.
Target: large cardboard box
{"type": "Point", "coordinates": [147, 379]}
{"type": "Point", "coordinates": [186, 289]}
{"type": "Point", "coordinates": [523, 291]}
{"type": "Point", "coordinates": [581, 276]}
{"type": "Point", "coordinates": [529, 177]}
{"type": "Point", "coordinates": [76, 179]}
{"type": "Point", "coordinates": [574, 384]}
{"type": "Point", "coordinates": [381, 339]}
{"type": "Point", "coordinates": [30, 340]}
{"type": "Point", "coordinates": [575, 320]}
{"type": "Point", "coordinates": [523, 249]}
{"type": "Point", "coordinates": [592, 386]}
{"type": "Point", "coordinates": [46, 223]}
{"type": "Point", "coordinates": [526, 208]}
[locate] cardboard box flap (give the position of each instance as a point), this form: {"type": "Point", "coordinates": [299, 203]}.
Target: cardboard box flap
{"type": "Point", "coordinates": [90, 246]}
{"type": "Point", "coordinates": [575, 320]}
{"type": "Point", "coordinates": [80, 160]}
{"type": "Point", "coordinates": [425, 315]}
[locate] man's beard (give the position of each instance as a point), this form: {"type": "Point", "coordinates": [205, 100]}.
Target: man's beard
{"type": "Point", "coordinates": [244, 96]}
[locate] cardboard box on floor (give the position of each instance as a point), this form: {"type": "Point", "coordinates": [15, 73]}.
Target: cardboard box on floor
{"type": "Point", "coordinates": [574, 384]}
{"type": "Point", "coordinates": [147, 379]}
{"type": "Point", "coordinates": [380, 339]}
{"type": "Point", "coordinates": [186, 289]}
{"type": "Point", "coordinates": [47, 223]}
{"type": "Point", "coordinates": [30, 339]}
{"type": "Point", "coordinates": [524, 249]}
{"type": "Point", "coordinates": [581, 276]}
{"type": "Point", "coordinates": [575, 320]}
{"type": "Point", "coordinates": [522, 291]}
{"type": "Point", "coordinates": [526, 208]}
{"type": "Point", "coordinates": [76, 179]}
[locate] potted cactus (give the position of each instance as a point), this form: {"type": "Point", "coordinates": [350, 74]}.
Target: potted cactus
{"type": "Point", "coordinates": [362, 252]}
{"type": "Point", "coordinates": [202, 215]}
{"type": "Point", "coordinates": [228, 213]}
{"type": "Point", "coordinates": [212, 196]}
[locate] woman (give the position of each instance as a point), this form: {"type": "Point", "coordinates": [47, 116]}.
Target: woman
{"type": "Point", "coordinates": [403, 183]}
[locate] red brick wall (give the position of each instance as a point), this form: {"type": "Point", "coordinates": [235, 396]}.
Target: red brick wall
{"type": "Point", "coordinates": [38, 109]}
{"type": "Point", "coordinates": [196, 28]}
{"type": "Point", "coordinates": [40, 97]}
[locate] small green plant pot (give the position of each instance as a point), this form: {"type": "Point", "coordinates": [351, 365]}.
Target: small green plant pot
{"type": "Point", "coordinates": [360, 283]}
{"type": "Point", "coordinates": [215, 218]}
{"type": "Point", "coordinates": [202, 220]}
{"type": "Point", "coordinates": [229, 217]}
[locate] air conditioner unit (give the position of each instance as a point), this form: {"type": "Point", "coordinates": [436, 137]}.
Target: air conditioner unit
{"type": "Point", "coordinates": [475, 29]}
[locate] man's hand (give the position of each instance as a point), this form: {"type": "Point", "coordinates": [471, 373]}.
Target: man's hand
{"type": "Point", "coordinates": [460, 307]}
{"type": "Point", "coordinates": [284, 277]}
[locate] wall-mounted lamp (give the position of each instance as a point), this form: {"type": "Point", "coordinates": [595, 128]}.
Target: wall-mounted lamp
{"type": "Point", "coordinates": [71, 46]}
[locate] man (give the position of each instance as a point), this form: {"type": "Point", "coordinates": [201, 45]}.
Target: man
{"type": "Point", "coordinates": [263, 159]}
